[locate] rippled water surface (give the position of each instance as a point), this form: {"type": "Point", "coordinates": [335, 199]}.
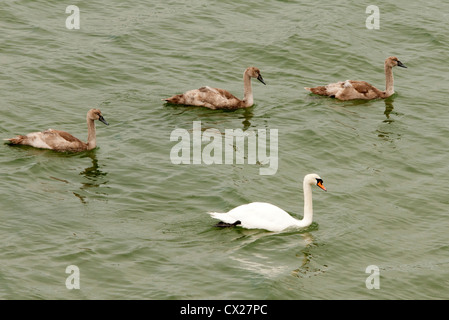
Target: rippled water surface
{"type": "Point", "coordinates": [135, 224]}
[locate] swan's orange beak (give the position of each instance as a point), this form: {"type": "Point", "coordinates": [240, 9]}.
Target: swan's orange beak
{"type": "Point", "coordinates": [320, 184]}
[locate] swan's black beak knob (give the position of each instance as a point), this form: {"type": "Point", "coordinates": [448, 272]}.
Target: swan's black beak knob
{"type": "Point", "coordinates": [319, 183]}
{"type": "Point", "coordinates": [261, 79]}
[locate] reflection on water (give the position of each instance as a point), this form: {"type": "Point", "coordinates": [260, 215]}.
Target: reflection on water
{"type": "Point", "coordinates": [308, 267]}
{"type": "Point", "coordinates": [92, 174]}
{"type": "Point", "coordinates": [251, 255]}
{"type": "Point", "coordinates": [388, 135]}
{"type": "Point", "coordinates": [388, 108]}
{"type": "Point", "coordinates": [247, 116]}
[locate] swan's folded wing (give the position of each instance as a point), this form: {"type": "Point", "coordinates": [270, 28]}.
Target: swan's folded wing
{"type": "Point", "coordinates": [363, 86]}
{"type": "Point", "coordinates": [60, 140]}
{"type": "Point", "coordinates": [216, 97]}
{"type": "Point", "coordinates": [61, 134]}
{"type": "Point", "coordinates": [225, 94]}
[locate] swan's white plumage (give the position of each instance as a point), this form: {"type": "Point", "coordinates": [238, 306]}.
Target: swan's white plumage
{"type": "Point", "coordinates": [257, 215]}
{"type": "Point", "coordinates": [261, 215]}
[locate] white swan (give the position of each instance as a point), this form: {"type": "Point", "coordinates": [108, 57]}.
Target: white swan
{"type": "Point", "coordinates": [259, 215]}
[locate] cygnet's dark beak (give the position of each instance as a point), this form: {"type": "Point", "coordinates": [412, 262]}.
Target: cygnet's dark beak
{"type": "Point", "coordinates": [261, 79]}
{"type": "Point", "coordinates": [400, 64]}
{"type": "Point", "coordinates": [102, 120]}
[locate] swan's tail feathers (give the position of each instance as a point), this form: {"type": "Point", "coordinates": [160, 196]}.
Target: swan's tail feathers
{"type": "Point", "coordinates": [16, 140]}
{"type": "Point", "coordinates": [321, 90]}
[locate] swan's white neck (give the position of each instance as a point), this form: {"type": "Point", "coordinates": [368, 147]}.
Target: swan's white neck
{"type": "Point", "coordinates": [308, 206]}
{"type": "Point", "coordinates": [248, 91]}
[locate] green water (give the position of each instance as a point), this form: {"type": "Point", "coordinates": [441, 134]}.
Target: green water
{"type": "Point", "coordinates": [136, 224]}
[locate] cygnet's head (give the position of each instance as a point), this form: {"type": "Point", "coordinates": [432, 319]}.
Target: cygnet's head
{"type": "Point", "coordinates": [95, 114]}
{"type": "Point", "coordinates": [254, 72]}
{"type": "Point", "coordinates": [393, 62]}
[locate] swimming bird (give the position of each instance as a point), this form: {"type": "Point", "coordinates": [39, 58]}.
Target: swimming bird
{"type": "Point", "coordinates": [350, 89]}
{"type": "Point", "coordinates": [214, 98]}
{"type": "Point", "coordinates": [60, 140]}
{"type": "Point", "coordinates": [260, 215]}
